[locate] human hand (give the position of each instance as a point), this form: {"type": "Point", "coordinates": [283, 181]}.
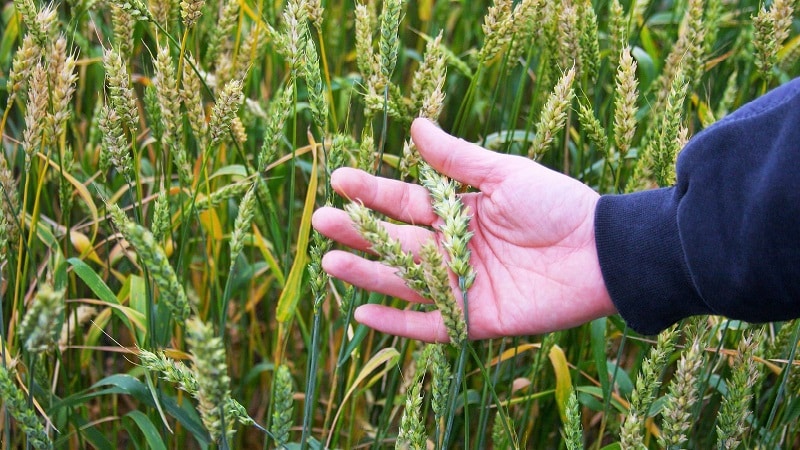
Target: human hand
{"type": "Point", "coordinates": [533, 247]}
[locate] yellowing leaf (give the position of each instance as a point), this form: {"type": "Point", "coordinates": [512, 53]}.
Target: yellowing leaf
{"type": "Point", "coordinates": [290, 296]}
{"type": "Point", "coordinates": [387, 357]}
{"type": "Point", "coordinates": [266, 252]}
{"type": "Point", "coordinates": [563, 380]}
{"type": "Point", "coordinates": [83, 193]}
{"type": "Point", "coordinates": [84, 246]}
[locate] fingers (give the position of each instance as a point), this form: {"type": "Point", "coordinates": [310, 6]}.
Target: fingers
{"type": "Point", "coordinates": [369, 275]}
{"type": "Point", "coordinates": [463, 161]}
{"type": "Point", "coordinates": [423, 326]}
{"type": "Point", "coordinates": [402, 201]}
{"type": "Point", "coordinates": [336, 224]}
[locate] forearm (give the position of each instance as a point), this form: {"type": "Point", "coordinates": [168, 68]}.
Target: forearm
{"type": "Point", "coordinates": [726, 239]}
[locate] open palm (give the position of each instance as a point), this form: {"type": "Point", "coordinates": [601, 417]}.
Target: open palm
{"type": "Point", "coordinates": [533, 247]}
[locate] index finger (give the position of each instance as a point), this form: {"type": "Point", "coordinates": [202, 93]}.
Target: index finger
{"type": "Point", "coordinates": [405, 202]}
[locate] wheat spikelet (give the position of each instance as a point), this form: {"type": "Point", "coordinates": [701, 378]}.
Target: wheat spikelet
{"type": "Point", "coordinates": [770, 28]}
{"type": "Point", "coordinates": [41, 23]}
{"type": "Point", "coordinates": [248, 52]}
{"type": "Point", "coordinates": [16, 403]}
{"type": "Point", "coordinates": [186, 380]}
{"type": "Point", "coordinates": [191, 11]}
{"type": "Point", "coordinates": [41, 326]}
{"type": "Point", "coordinates": [243, 220]}
{"type": "Point", "coordinates": [316, 90]}
{"type": "Point", "coordinates": [412, 427]}
{"type": "Point", "coordinates": [438, 284]}
{"type": "Point", "coordinates": [656, 163]}
{"type": "Point", "coordinates": [283, 408]}
{"type": "Point", "coordinates": [711, 23]}
{"type": "Point", "coordinates": [782, 12]}
{"type": "Point", "coordinates": [9, 203]}
{"type": "Point", "coordinates": [166, 86]}
{"type": "Point", "coordinates": [4, 235]}
{"type": "Point", "coordinates": [211, 373]}
{"type": "Point", "coordinates": [589, 44]}
{"type": "Point", "coordinates": [122, 24]}
{"type": "Point", "coordinates": [36, 132]}
{"type": "Point", "coordinates": [592, 126]}
{"type": "Point", "coordinates": [410, 160]}
{"type": "Point", "coordinates": [618, 28]}
{"type": "Point", "coordinates": [497, 30]}
{"type": "Point", "coordinates": [226, 21]}
{"type": "Point", "coordinates": [224, 111]}
{"type": "Point", "coordinates": [316, 13]}
{"type": "Point", "coordinates": [317, 276]}
{"type": "Point", "coordinates": [152, 256]}
{"type": "Point", "coordinates": [735, 408]}
{"type": "Point", "coordinates": [666, 147]}
{"type": "Point", "coordinates": [366, 150]}
{"type": "Point", "coordinates": [389, 41]}
{"type": "Point", "coordinates": [114, 143]}
{"type": "Point", "coordinates": [25, 59]}
{"type": "Point", "coordinates": [279, 110]}
{"type": "Point", "coordinates": [387, 248]}
{"type": "Point", "coordinates": [647, 384]}
{"type": "Point", "coordinates": [455, 227]}
{"type": "Point", "coordinates": [161, 218]}
{"type": "Point", "coordinates": [191, 94]}
{"type": "Point", "coordinates": [686, 55]}
{"type": "Point", "coordinates": [294, 31]}
{"type": "Point", "coordinates": [569, 38]}
{"type": "Point", "coordinates": [554, 114]}
{"type": "Point", "coordinates": [684, 390]}
{"type": "Point", "coordinates": [573, 429]}
{"type": "Point", "coordinates": [65, 189]}
{"type": "Point", "coordinates": [120, 94]}
{"type": "Point", "coordinates": [364, 53]}
{"type": "Point", "coordinates": [625, 103]}
{"type": "Point", "coordinates": [220, 196]}
{"type": "Point", "coordinates": [427, 94]}
{"type": "Point", "coordinates": [62, 86]}
{"type": "Point", "coordinates": [137, 9]}
{"type": "Point", "coordinates": [526, 14]}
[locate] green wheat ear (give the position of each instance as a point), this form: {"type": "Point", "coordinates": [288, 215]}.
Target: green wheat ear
{"type": "Point", "coordinates": [647, 384]}
{"type": "Point", "coordinates": [412, 433]}
{"type": "Point", "coordinates": [41, 326]}
{"type": "Point", "coordinates": [283, 405]}
{"type": "Point", "coordinates": [186, 380]}
{"type": "Point", "coordinates": [573, 429]}
{"type": "Point", "coordinates": [211, 373]}
{"type": "Point", "coordinates": [736, 409]}
{"type": "Point", "coordinates": [16, 403]}
{"type": "Point", "coordinates": [152, 255]}
{"type": "Point", "coordinates": [683, 391]}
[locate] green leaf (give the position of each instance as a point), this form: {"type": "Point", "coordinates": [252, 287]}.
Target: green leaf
{"type": "Point", "coordinates": [598, 330]}
{"type": "Point", "coordinates": [150, 432]}
{"type": "Point", "coordinates": [133, 319]}
{"type": "Point", "coordinates": [93, 281]}
{"type": "Point", "coordinates": [647, 68]}
{"type": "Point", "coordinates": [236, 170]}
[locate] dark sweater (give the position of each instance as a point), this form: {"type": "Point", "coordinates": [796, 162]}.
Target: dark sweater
{"type": "Point", "coordinates": [726, 238]}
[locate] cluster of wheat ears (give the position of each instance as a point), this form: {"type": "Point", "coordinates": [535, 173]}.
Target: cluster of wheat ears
{"type": "Point", "coordinates": [161, 159]}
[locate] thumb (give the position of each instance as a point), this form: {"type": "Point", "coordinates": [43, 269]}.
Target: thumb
{"type": "Point", "coordinates": [458, 159]}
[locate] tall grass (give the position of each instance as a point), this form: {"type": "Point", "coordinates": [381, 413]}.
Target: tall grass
{"type": "Point", "coordinates": [160, 285]}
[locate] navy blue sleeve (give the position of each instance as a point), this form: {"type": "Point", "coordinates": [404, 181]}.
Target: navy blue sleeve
{"type": "Point", "coordinates": [726, 238]}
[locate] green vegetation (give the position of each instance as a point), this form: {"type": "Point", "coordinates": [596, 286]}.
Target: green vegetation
{"type": "Point", "coordinates": [160, 285]}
